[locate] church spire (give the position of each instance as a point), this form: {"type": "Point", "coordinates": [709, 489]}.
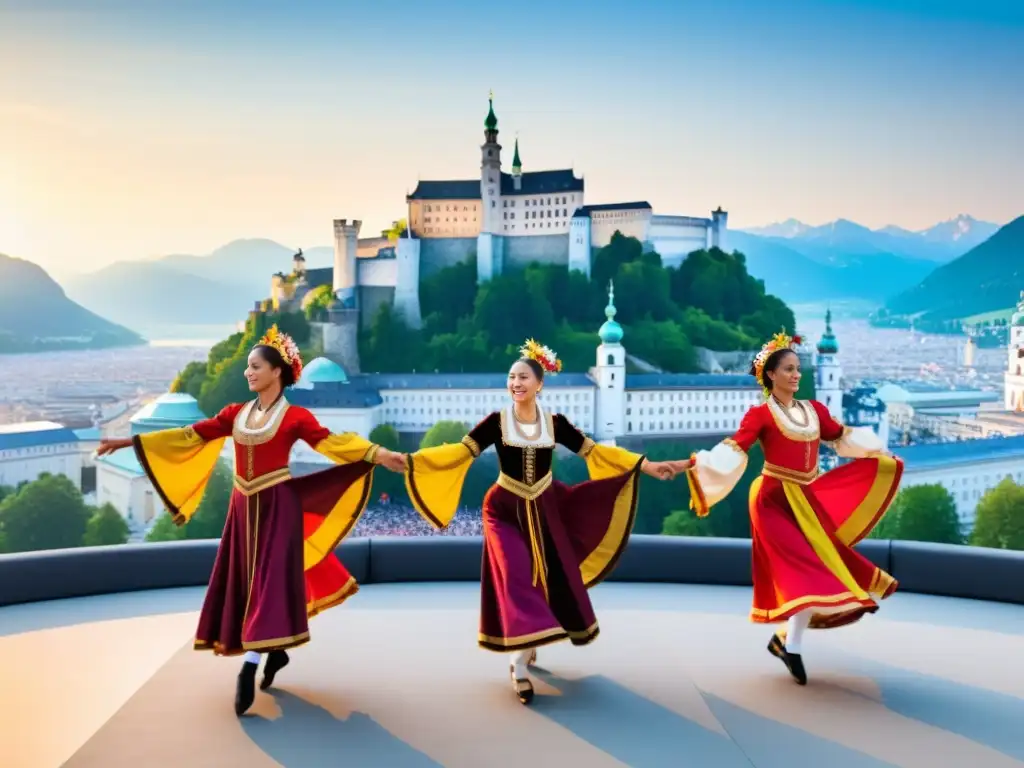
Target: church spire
{"type": "Point", "coordinates": [610, 332]}
{"type": "Point", "coordinates": [828, 344]}
{"type": "Point", "coordinates": [517, 165]}
{"type": "Point", "coordinates": [491, 121]}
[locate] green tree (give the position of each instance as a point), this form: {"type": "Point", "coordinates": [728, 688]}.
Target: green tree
{"type": "Point", "coordinates": [164, 529]}
{"type": "Point", "coordinates": [317, 302]}
{"type": "Point", "coordinates": [105, 526]}
{"type": "Point", "coordinates": [999, 518]}
{"type": "Point", "coordinates": [443, 433]}
{"type": "Point", "coordinates": [924, 513]}
{"type": "Point", "coordinates": [683, 522]}
{"type": "Point", "coordinates": [48, 513]}
{"type": "Point", "coordinates": [190, 379]}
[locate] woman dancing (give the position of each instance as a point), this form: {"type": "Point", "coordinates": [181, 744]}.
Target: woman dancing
{"type": "Point", "coordinates": [275, 565]}
{"type": "Point", "coordinates": [803, 524]}
{"type": "Point", "coordinates": [545, 543]}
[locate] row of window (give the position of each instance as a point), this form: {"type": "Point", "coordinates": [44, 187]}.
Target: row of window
{"type": "Point", "coordinates": [510, 202]}
{"type": "Point", "coordinates": [714, 394]}
{"type": "Point", "coordinates": [674, 426]}
{"type": "Point", "coordinates": [533, 214]}
{"type": "Point", "coordinates": [449, 207]}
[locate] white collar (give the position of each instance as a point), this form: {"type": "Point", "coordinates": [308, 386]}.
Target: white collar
{"type": "Point", "coordinates": [510, 435]}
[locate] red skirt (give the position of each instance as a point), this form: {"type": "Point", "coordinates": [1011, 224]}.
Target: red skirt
{"type": "Point", "coordinates": [264, 588]}
{"type": "Point", "coordinates": [803, 538]}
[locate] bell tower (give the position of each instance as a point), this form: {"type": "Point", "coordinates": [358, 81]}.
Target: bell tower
{"type": "Point", "coordinates": [489, 243]}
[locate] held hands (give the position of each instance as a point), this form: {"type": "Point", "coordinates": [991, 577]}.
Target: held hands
{"type": "Point", "coordinates": [665, 470]}
{"type": "Point", "coordinates": [392, 460]}
{"type": "Point", "coordinates": [111, 445]}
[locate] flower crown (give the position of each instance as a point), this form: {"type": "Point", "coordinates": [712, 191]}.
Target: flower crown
{"type": "Point", "coordinates": [286, 347]}
{"type": "Point", "coordinates": [548, 360]}
{"type": "Point", "coordinates": [779, 341]}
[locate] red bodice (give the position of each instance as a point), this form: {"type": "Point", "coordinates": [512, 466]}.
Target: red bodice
{"type": "Point", "coordinates": [262, 453]}
{"type": "Point", "coordinates": [790, 442]}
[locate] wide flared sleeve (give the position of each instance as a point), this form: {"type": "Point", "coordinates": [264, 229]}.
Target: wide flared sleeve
{"type": "Point", "coordinates": [848, 442]}
{"type": "Point", "coordinates": [339, 447]}
{"type": "Point", "coordinates": [602, 460]}
{"type": "Point", "coordinates": [714, 473]}
{"type": "Point", "coordinates": [180, 461]}
{"type": "Point", "coordinates": [434, 476]}
{"type": "Point", "coordinates": [332, 500]}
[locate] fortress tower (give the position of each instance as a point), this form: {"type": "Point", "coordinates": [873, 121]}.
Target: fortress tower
{"type": "Point", "coordinates": [407, 280]}
{"type": "Point", "coordinates": [341, 334]}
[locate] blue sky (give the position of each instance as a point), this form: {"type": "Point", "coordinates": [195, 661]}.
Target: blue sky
{"type": "Point", "coordinates": [140, 128]}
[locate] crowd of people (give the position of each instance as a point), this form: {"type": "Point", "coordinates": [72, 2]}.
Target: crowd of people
{"type": "Point", "coordinates": [390, 518]}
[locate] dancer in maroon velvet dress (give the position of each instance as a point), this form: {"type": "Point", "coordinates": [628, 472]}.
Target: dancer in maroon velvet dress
{"type": "Point", "coordinates": [545, 543]}
{"type": "Point", "coordinates": [276, 565]}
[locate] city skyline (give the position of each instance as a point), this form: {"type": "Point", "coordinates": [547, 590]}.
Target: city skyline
{"type": "Point", "coordinates": [138, 132]}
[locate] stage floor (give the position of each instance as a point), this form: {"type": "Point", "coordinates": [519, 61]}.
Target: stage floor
{"type": "Point", "coordinates": [393, 678]}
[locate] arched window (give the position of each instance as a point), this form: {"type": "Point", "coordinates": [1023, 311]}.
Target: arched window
{"type": "Point", "coordinates": [611, 361]}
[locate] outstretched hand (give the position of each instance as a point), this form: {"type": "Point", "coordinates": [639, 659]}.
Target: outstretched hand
{"type": "Point", "coordinates": [111, 445]}
{"type": "Point", "coordinates": [392, 460]}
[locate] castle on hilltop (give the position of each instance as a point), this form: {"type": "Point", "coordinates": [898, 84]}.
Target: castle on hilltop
{"type": "Point", "coordinates": [505, 220]}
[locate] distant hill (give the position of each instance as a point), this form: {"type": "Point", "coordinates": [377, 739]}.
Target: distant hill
{"type": "Point", "coordinates": [830, 243]}
{"type": "Point", "coordinates": [987, 278]}
{"type": "Point", "coordinates": [796, 277]}
{"type": "Point", "coordinates": [36, 314]}
{"type": "Point", "coordinates": [202, 290]}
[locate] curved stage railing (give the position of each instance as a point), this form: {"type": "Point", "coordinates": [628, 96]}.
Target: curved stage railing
{"type": "Point", "coordinates": [937, 569]}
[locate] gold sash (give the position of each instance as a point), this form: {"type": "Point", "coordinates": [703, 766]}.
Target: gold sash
{"type": "Point", "coordinates": [530, 494]}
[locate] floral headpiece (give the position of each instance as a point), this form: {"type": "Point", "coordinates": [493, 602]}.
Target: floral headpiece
{"type": "Point", "coordinates": [779, 341]}
{"type": "Point", "coordinates": [286, 347]}
{"type": "Point", "coordinates": [548, 360]}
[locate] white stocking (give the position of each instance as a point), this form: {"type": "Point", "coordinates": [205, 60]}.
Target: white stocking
{"type": "Point", "coordinates": [252, 656]}
{"type": "Point", "coordinates": [520, 660]}
{"type": "Point", "coordinates": [795, 631]}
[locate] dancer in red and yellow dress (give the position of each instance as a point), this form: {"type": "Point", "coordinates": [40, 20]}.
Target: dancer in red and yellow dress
{"type": "Point", "coordinates": [545, 543]}
{"type": "Point", "coordinates": [803, 524]}
{"type": "Point", "coordinates": [275, 565]}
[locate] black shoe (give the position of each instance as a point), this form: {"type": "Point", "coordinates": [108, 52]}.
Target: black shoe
{"type": "Point", "coordinates": [276, 661]}
{"type": "Point", "coordinates": [794, 663]}
{"type": "Point", "coordinates": [245, 690]}
{"type": "Point", "coordinates": [522, 687]}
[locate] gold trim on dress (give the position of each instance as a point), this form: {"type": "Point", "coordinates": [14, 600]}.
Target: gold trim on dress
{"type": "Point", "coordinates": [529, 493]}
{"type": "Point", "coordinates": [261, 483]}
{"type": "Point", "coordinates": [586, 448]}
{"type": "Point", "coordinates": [792, 430]}
{"type": "Point", "coordinates": [473, 445]}
{"type": "Point", "coordinates": [537, 639]}
{"type": "Point", "coordinates": [790, 475]}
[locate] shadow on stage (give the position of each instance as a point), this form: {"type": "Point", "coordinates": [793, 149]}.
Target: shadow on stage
{"type": "Point", "coordinates": [306, 735]}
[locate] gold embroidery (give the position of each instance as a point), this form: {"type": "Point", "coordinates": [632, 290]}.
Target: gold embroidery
{"type": "Point", "coordinates": [587, 447]}
{"type": "Point", "coordinates": [250, 486]}
{"type": "Point", "coordinates": [529, 465]}
{"type": "Point", "coordinates": [371, 454]}
{"type": "Point", "coordinates": [473, 445]}
{"type": "Point", "coordinates": [530, 493]}
{"type": "Point", "coordinates": [734, 445]}
{"type": "Point", "coordinates": [792, 475]}
{"type": "Point", "coordinates": [262, 435]}
{"type": "Point", "coordinates": [808, 434]}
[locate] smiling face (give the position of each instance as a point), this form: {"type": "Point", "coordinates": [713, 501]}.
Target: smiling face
{"type": "Point", "coordinates": [523, 382]}
{"type": "Point", "coordinates": [260, 374]}
{"type": "Point", "coordinates": [786, 376]}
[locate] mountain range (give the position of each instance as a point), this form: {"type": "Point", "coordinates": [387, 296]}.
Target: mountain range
{"type": "Point", "coordinates": [799, 263]}
{"type": "Point", "coordinates": [988, 278]}
{"type": "Point", "coordinates": [36, 314]}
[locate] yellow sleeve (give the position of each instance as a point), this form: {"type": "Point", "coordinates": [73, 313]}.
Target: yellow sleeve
{"type": "Point", "coordinates": [347, 448]}
{"type": "Point", "coordinates": [434, 479]}
{"type": "Point", "coordinates": [179, 464]}
{"type": "Point", "coordinates": [608, 460]}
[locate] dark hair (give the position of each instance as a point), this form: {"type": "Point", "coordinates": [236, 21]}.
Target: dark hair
{"type": "Point", "coordinates": [273, 358]}
{"type": "Point", "coordinates": [773, 361]}
{"type": "Point", "coordinates": [537, 368]}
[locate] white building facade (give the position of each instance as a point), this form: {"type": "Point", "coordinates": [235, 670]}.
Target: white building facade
{"type": "Point", "coordinates": [33, 448]}
{"type": "Point", "coordinates": [1014, 391]}
{"type": "Point", "coordinates": [967, 469]}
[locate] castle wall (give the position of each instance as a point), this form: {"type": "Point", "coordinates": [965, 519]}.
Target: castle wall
{"type": "Point", "coordinates": [430, 219]}
{"type": "Point", "coordinates": [436, 254]}
{"type": "Point", "coordinates": [370, 299]}
{"type": "Point", "coordinates": [676, 237]}
{"type": "Point", "coordinates": [520, 252]}
{"type": "Point", "coordinates": [378, 272]}
{"type": "Point", "coordinates": [630, 222]}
